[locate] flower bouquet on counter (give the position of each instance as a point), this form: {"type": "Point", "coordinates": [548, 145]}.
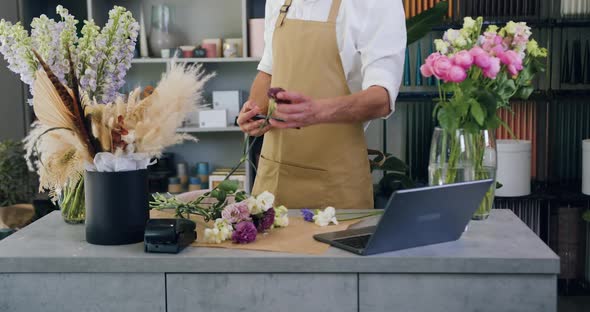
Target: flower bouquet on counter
{"type": "Point", "coordinates": [84, 124]}
{"type": "Point", "coordinates": [479, 72]}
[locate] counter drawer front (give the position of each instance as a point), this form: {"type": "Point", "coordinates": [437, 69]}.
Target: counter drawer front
{"type": "Point", "coordinates": [75, 292]}
{"type": "Point", "coordinates": [262, 292]}
{"type": "Point", "coordinates": [457, 292]}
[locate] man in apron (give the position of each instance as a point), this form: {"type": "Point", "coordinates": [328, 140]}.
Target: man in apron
{"type": "Point", "coordinates": [341, 64]}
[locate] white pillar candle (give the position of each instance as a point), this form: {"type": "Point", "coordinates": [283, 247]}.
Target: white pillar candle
{"type": "Point", "coordinates": [256, 37]}
{"type": "Point", "coordinates": [514, 168]}
{"type": "Point", "coordinates": [586, 167]}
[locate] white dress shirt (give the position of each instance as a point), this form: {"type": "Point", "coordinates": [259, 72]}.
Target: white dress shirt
{"type": "Point", "coordinates": [371, 37]}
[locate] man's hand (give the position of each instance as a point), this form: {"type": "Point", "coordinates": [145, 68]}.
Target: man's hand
{"type": "Point", "coordinates": [302, 111]}
{"type": "Point", "coordinates": [247, 124]}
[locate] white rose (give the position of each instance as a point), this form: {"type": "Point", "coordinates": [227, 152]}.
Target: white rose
{"type": "Point", "coordinates": [324, 218]}
{"type": "Point", "coordinates": [265, 200]}
{"type": "Point", "coordinates": [253, 206]}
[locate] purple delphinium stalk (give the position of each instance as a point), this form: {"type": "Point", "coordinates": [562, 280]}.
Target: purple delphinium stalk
{"type": "Point", "coordinates": [244, 233]}
{"type": "Point", "coordinates": [307, 215]}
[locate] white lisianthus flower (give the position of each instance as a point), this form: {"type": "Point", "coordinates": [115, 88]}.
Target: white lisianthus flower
{"type": "Point", "coordinates": [265, 200]}
{"type": "Point", "coordinates": [324, 218]}
{"type": "Point", "coordinates": [469, 23]}
{"type": "Point", "coordinates": [220, 232]}
{"type": "Point", "coordinates": [441, 46]}
{"type": "Point", "coordinates": [281, 217]}
{"type": "Point", "coordinates": [253, 206]}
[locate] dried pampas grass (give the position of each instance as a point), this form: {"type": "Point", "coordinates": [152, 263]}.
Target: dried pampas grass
{"type": "Point", "coordinates": [177, 94]}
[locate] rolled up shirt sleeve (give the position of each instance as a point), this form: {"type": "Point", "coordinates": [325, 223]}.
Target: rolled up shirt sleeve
{"type": "Point", "coordinates": [270, 19]}
{"type": "Point", "coordinates": [382, 45]}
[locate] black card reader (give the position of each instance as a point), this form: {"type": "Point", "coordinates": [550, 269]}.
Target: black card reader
{"type": "Point", "coordinates": [169, 235]}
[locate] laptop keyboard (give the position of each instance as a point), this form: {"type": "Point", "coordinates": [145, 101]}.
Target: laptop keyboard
{"type": "Point", "coordinates": [358, 242]}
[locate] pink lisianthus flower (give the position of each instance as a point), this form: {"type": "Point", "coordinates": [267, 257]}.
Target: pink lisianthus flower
{"type": "Point", "coordinates": [456, 74]}
{"type": "Point", "coordinates": [463, 59]}
{"type": "Point", "coordinates": [494, 68]}
{"type": "Point", "coordinates": [441, 67]}
{"type": "Point", "coordinates": [237, 212]}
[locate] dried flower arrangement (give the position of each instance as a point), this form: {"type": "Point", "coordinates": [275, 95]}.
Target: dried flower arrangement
{"type": "Point", "coordinates": [75, 97]}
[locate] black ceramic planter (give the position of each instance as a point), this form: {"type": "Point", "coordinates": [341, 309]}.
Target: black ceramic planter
{"type": "Point", "coordinates": [117, 207]}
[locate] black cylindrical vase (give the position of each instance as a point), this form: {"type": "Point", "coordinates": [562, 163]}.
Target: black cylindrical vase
{"type": "Point", "coordinates": [117, 207]}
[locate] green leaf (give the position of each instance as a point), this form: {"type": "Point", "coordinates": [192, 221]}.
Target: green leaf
{"type": "Point", "coordinates": [478, 113]}
{"type": "Point", "coordinates": [393, 163]}
{"type": "Point", "coordinates": [447, 118]}
{"type": "Point", "coordinates": [586, 216]}
{"type": "Point", "coordinates": [421, 24]}
{"type": "Point", "coordinates": [524, 92]}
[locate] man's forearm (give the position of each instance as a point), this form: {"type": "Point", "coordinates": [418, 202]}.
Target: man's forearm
{"type": "Point", "coordinates": [359, 107]}
{"type": "Point", "coordinates": [259, 89]}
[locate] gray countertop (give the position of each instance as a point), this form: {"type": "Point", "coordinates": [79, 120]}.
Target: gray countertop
{"type": "Point", "coordinates": [502, 244]}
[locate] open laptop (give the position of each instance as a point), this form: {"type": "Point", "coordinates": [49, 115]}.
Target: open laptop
{"type": "Point", "coordinates": [415, 217]}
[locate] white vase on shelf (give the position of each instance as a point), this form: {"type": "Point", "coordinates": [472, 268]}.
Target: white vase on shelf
{"type": "Point", "coordinates": [514, 168]}
{"type": "Point", "coordinates": [586, 167]}
{"type": "Point", "coordinates": [143, 44]}
{"type": "Point", "coordinates": [161, 35]}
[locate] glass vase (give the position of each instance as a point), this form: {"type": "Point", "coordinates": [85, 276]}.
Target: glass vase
{"type": "Point", "coordinates": [460, 156]}
{"type": "Point", "coordinates": [71, 202]}
{"type": "Point", "coordinates": [161, 34]}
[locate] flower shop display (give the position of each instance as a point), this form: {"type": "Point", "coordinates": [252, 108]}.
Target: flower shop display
{"type": "Point", "coordinates": [100, 58]}
{"type": "Point", "coordinates": [514, 168]}
{"type": "Point", "coordinates": [477, 73]}
{"type": "Point", "coordinates": [85, 127]}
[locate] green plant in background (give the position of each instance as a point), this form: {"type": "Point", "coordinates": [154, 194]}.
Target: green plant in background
{"type": "Point", "coordinates": [395, 173]}
{"type": "Point", "coordinates": [420, 25]}
{"type": "Point", "coordinates": [586, 216]}
{"type": "Point", "coordinates": [16, 182]}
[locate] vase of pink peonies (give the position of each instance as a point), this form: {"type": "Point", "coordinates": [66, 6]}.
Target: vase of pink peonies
{"type": "Point", "coordinates": [478, 73]}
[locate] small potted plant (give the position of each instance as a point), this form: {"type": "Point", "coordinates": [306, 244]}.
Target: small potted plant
{"type": "Point", "coordinates": [16, 186]}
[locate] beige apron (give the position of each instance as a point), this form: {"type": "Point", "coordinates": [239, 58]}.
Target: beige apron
{"type": "Point", "coordinates": [320, 165]}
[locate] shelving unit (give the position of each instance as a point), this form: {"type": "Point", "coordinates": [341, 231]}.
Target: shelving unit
{"type": "Point", "coordinates": [194, 21]}
{"type": "Point", "coordinates": [196, 60]}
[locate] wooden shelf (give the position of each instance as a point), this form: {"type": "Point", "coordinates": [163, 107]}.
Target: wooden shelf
{"type": "Point", "coordinates": [196, 60]}
{"type": "Point", "coordinates": [208, 130]}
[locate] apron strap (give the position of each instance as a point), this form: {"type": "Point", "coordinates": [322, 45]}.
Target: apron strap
{"type": "Point", "coordinates": [334, 11]}
{"type": "Point", "coordinates": [283, 13]}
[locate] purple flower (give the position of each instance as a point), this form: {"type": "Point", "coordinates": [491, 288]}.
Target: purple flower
{"type": "Point", "coordinates": [265, 221]}
{"type": "Point", "coordinates": [244, 233]}
{"type": "Point", "coordinates": [307, 215]}
{"type": "Point", "coordinates": [235, 213]}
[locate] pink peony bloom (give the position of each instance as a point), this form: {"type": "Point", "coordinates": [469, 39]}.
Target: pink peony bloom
{"type": "Point", "coordinates": [510, 58]}
{"type": "Point", "coordinates": [483, 61]}
{"type": "Point", "coordinates": [432, 58]}
{"type": "Point", "coordinates": [441, 67]}
{"type": "Point", "coordinates": [494, 68]}
{"type": "Point", "coordinates": [426, 70]}
{"type": "Point", "coordinates": [477, 51]}
{"type": "Point", "coordinates": [237, 212]}
{"type": "Point", "coordinates": [456, 74]}
{"type": "Point", "coordinates": [463, 59]}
